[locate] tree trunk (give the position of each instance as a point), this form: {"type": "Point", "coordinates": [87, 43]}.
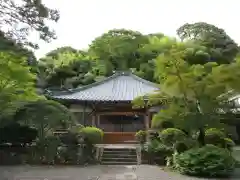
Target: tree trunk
{"type": "Point", "coordinates": [201, 137]}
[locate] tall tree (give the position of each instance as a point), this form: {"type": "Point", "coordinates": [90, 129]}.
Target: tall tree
{"type": "Point", "coordinates": [117, 49]}
{"type": "Point", "coordinates": [121, 49]}
{"type": "Point", "coordinates": [192, 93]}
{"type": "Point", "coordinates": [65, 68]}
{"type": "Point", "coordinates": [65, 49]}
{"type": "Point", "coordinates": [23, 16]}
{"type": "Point", "coordinates": [10, 46]}
{"type": "Point", "coordinates": [17, 83]}
{"type": "Point", "coordinates": [221, 47]}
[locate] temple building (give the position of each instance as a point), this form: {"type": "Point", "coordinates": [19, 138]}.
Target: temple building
{"type": "Point", "coordinates": [107, 104]}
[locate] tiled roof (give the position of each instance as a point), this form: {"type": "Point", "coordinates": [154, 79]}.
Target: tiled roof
{"type": "Point", "coordinates": [122, 86]}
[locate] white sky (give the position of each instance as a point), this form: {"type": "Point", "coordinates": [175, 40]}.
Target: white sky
{"type": "Point", "coordinates": [83, 20]}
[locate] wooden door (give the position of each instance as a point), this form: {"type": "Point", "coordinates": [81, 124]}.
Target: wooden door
{"type": "Point", "coordinates": [120, 129]}
{"type": "Point", "coordinates": [119, 137]}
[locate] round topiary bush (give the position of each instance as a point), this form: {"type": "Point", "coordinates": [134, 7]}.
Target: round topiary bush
{"type": "Point", "coordinates": [92, 135]}
{"type": "Point", "coordinates": [170, 136]}
{"type": "Point", "coordinates": [214, 136]}
{"type": "Point", "coordinates": [207, 161]}
{"type": "Point", "coordinates": [141, 136]}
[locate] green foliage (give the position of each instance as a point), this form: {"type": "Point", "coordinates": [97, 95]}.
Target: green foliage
{"type": "Point", "coordinates": [158, 148]}
{"type": "Point", "coordinates": [181, 146]}
{"type": "Point", "coordinates": [66, 68]}
{"type": "Point", "coordinates": [187, 90]}
{"type": "Point", "coordinates": [9, 46]}
{"type": "Point", "coordinates": [221, 48]}
{"type": "Point", "coordinates": [69, 151]}
{"type": "Point", "coordinates": [214, 136]}
{"type": "Point", "coordinates": [170, 136]}
{"type": "Point", "coordinates": [17, 83]}
{"type": "Point", "coordinates": [156, 152]}
{"type": "Point", "coordinates": [64, 148]}
{"type": "Point", "coordinates": [141, 136]}
{"type": "Point", "coordinates": [32, 15]}
{"type": "Point", "coordinates": [45, 116]}
{"type": "Point", "coordinates": [138, 102]}
{"type": "Point", "coordinates": [47, 149]}
{"type": "Point", "coordinates": [55, 53]}
{"type": "Point", "coordinates": [92, 135]}
{"type": "Point", "coordinates": [14, 133]}
{"type": "Point", "coordinates": [208, 161]}
{"type": "Point", "coordinates": [229, 144]}
{"type": "Point", "coordinates": [120, 49]}
{"type": "Point", "coordinates": [70, 138]}
{"type": "Point", "coordinates": [158, 122]}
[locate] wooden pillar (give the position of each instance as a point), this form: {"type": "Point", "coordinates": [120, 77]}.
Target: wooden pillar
{"type": "Point", "coordinates": [147, 122]}
{"type": "Point", "coordinates": [94, 119]}
{"type": "Point", "coordinates": [98, 121]}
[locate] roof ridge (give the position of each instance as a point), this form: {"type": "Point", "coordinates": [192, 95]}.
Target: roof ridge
{"type": "Point", "coordinates": [144, 80]}
{"type": "Point", "coordinates": [115, 75]}
{"type": "Point", "coordinates": [96, 83]}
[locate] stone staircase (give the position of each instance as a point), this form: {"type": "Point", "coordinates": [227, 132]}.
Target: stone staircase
{"type": "Point", "coordinates": [119, 156]}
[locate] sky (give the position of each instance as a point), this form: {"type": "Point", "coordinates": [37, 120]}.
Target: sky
{"type": "Point", "coordinates": [82, 21]}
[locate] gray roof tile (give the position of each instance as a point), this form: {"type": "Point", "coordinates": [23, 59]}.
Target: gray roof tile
{"type": "Point", "coordinates": [122, 86]}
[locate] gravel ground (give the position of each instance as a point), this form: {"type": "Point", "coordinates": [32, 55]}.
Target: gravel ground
{"type": "Point", "coordinates": [98, 172]}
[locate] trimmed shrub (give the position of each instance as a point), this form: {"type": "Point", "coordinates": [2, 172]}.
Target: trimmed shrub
{"type": "Point", "coordinates": [92, 135]}
{"type": "Point", "coordinates": [69, 138]}
{"type": "Point", "coordinates": [170, 136]}
{"type": "Point", "coordinates": [207, 161]}
{"type": "Point", "coordinates": [214, 136]}
{"type": "Point", "coordinates": [45, 113]}
{"type": "Point", "coordinates": [159, 123]}
{"type": "Point", "coordinates": [141, 136]}
{"type": "Point", "coordinates": [17, 134]}
{"type": "Point", "coordinates": [181, 146]}
{"type": "Point", "coordinates": [153, 134]}
{"type": "Point", "coordinates": [157, 152]}
{"type": "Point", "coordinates": [229, 144]}
{"type": "Point", "coordinates": [46, 150]}
{"type": "Point", "coordinates": [155, 146]}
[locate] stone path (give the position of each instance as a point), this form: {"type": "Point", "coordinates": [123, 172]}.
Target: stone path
{"type": "Point", "coordinates": [142, 172]}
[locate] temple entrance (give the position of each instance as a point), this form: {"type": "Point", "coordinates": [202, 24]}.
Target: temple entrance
{"type": "Point", "coordinates": [121, 123]}
{"type": "Point", "coordinates": [120, 128]}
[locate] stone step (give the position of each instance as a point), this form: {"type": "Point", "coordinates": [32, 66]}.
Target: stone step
{"type": "Point", "coordinates": [117, 154]}
{"type": "Point", "coordinates": [120, 149]}
{"type": "Point", "coordinates": [120, 155]}
{"type": "Point", "coordinates": [118, 163]}
{"type": "Point", "coordinates": [119, 159]}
